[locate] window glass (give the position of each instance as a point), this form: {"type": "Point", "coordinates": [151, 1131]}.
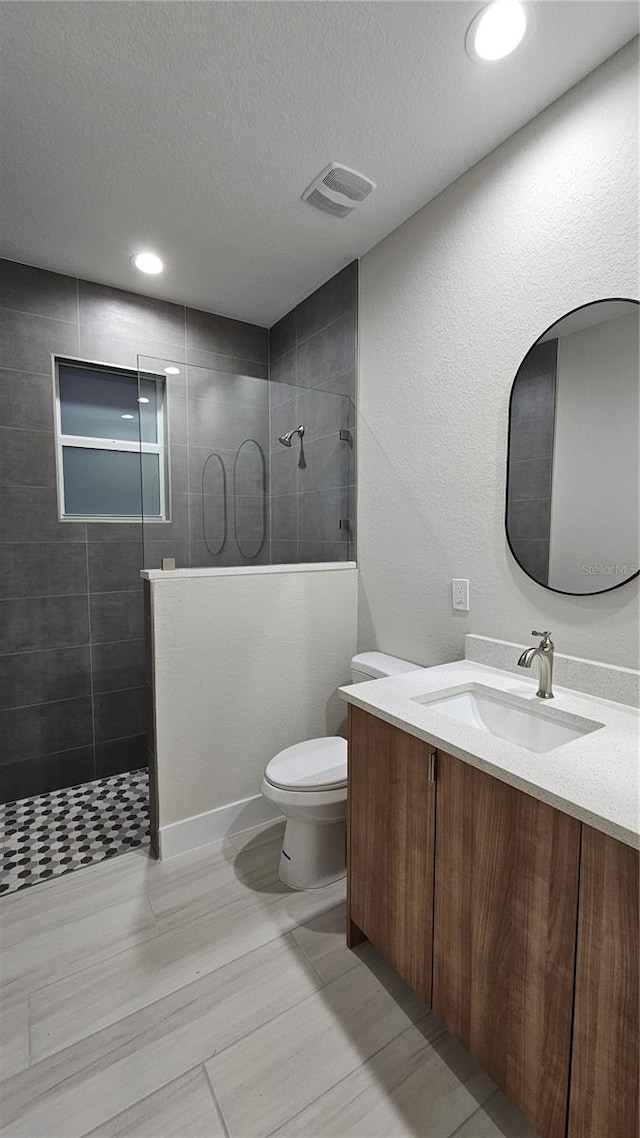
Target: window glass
{"type": "Point", "coordinates": [110, 439]}
{"type": "Point", "coordinates": [107, 483]}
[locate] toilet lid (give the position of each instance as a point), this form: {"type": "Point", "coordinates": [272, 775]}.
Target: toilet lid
{"type": "Point", "coordinates": [316, 764]}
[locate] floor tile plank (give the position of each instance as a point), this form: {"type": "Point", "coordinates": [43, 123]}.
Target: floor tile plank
{"type": "Point", "coordinates": [14, 1035]}
{"type": "Point", "coordinates": [268, 1076]}
{"type": "Point", "coordinates": [189, 887]}
{"type": "Point", "coordinates": [422, 1083]}
{"type": "Point", "coordinates": [498, 1118]}
{"type": "Point", "coordinates": [69, 1010]}
{"type": "Point", "coordinates": [136, 973]}
{"type": "Point", "coordinates": [81, 1087]}
{"type": "Point", "coordinates": [322, 939]}
{"type": "Point", "coordinates": [258, 835]}
{"type": "Point", "coordinates": [184, 1108]}
{"type": "Point", "coordinates": [57, 953]}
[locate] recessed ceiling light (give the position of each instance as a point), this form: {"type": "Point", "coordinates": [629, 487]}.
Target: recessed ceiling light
{"type": "Point", "coordinates": [172, 371]}
{"type": "Point", "coordinates": [147, 262]}
{"type": "Point", "coordinates": [496, 30]}
{"type": "Point", "coordinates": [127, 416]}
{"type": "Point", "coordinates": [143, 399]}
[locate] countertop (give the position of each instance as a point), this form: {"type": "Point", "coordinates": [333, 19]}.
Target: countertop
{"type": "Point", "coordinates": [595, 778]}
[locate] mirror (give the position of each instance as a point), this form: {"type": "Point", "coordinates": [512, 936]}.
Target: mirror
{"type": "Point", "coordinates": [572, 499]}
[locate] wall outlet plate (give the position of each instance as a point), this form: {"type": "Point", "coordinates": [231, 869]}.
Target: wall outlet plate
{"type": "Point", "coordinates": [460, 593]}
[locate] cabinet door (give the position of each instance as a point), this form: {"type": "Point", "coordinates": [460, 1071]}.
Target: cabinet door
{"type": "Point", "coordinates": [391, 839]}
{"type": "Point", "coordinates": [604, 1071]}
{"type": "Point", "coordinates": [506, 896]}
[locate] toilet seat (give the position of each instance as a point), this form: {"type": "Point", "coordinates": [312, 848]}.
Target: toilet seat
{"type": "Point", "coordinates": [316, 764]}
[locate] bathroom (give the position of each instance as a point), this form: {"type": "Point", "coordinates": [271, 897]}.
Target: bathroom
{"type": "Point", "coordinates": [277, 523]}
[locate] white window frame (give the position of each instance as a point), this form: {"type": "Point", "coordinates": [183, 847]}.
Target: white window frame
{"type": "Point", "coordinates": [88, 442]}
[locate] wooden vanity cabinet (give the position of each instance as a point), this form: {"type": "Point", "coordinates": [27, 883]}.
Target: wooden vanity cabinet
{"type": "Point", "coordinates": [516, 922]}
{"type": "Point", "coordinates": [604, 1071]}
{"type": "Point", "coordinates": [506, 897]}
{"type": "Point", "coordinates": [391, 816]}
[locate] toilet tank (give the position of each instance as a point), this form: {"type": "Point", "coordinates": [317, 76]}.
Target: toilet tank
{"type": "Point", "coordinates": [375, 665]}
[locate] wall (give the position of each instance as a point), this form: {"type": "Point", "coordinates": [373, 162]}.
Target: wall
{"type": "Point", "coordinates": [245, 664]}
{"type": "Point", "coordinates": [449, 305]}
{"type": "Point", "coordinates": [596, 450]}
{"type": "Point", "coordinates": [72, 697]}
{"type": "Point", "coordinates": [312, 373]}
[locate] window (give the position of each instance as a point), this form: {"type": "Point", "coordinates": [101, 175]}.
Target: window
{"type": "Point", "coordinates": [110, 443]}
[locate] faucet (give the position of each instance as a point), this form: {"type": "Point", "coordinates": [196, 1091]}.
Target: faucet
{"type": "Point", "coordinates": [544, 655]}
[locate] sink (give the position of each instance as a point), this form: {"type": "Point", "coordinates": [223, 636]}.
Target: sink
{"type": "Point", "coordinates": [509, 717]}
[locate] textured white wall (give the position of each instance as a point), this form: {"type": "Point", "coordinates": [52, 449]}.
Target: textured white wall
{"type": "Point", "coordinates": [244, 665]}
{"type": "Point", "coordinates": [449, 305]}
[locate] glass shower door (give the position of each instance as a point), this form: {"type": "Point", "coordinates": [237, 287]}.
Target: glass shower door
{"type": "Point", "coordinates": [215, 432]}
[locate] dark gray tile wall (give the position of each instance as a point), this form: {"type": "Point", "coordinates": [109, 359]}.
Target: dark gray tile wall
{"type": "Point", "coordinates": [227, 455]}
{"type": "Point", "coordinates": [74, 688]}
{"type": "Point", "coordinates": [531, 432]}
{"type": "Point", "coordinates": [74, 700]}
{"type": "Point", "coordinates": [312, 370]}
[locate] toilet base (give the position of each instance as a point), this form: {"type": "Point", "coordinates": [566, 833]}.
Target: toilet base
{"type": "Point", "coordinates": [313, 855]}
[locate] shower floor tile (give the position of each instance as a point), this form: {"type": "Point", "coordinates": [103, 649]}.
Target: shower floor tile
{"type": "Point", "coordinates": [56, 833]}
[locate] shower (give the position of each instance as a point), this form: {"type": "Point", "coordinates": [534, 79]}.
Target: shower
{"type": "Point", "coordinates": [286, 439]}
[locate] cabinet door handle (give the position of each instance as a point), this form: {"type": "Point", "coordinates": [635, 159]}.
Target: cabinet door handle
{"type": "Point", "coordinates": [432, 766]}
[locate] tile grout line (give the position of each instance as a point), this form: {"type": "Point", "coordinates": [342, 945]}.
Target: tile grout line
{"type": "Point", "coordinates": [358, 1067]}
{"type": "Point", "coordinates": [182, 988]}
{"type": "Point", "coordinates": [72, 699]}
{"type": "Point", "coordinates": [90, 645]}
{"type": "Point", "coordinates": [37, 316]}
{"type": "Point", "coordinates": [63, 647]}
{"type": "Point", "coordinates": [214, 1096]}
{"type": "Point", "coordinates": [76, 971]}
{"type": "Point", "coordinates": [323, 328]}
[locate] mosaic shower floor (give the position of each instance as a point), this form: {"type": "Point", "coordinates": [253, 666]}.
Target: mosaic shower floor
{"type": "Point", "coordinates": [56, 833]}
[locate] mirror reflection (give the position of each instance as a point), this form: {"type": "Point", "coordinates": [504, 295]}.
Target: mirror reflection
{"type": "Point", "coordinates": [573, 472]}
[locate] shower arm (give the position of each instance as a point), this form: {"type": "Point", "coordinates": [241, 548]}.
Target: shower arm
{"type": "Point", "coordinates": [286, 438]}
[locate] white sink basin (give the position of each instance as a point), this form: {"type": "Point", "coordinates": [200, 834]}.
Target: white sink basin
{"type": "Point", "coordinates": [537, 728]}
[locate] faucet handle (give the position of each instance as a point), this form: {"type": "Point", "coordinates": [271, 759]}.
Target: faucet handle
{"type": "Point", "coordinates": [546, 641]}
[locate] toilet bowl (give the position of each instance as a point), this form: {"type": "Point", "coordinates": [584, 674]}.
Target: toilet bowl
{"type": "Point", "coordinates": [307, 783]}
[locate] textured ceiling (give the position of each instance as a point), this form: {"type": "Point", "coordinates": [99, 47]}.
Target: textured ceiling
{"type": "Point", "coordinates": [192, 129]}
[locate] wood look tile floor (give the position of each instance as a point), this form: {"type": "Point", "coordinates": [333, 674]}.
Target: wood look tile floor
{"type": "Point", "coordinates": [200, 998]}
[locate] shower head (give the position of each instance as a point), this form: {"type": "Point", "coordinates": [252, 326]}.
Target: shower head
{"type": "Point", "coordinates": [286, 439]}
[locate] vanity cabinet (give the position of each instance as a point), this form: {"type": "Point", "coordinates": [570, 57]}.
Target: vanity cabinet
{"type": "Point", "coordinates": [604, 1072]}
{"type": "Point", "coordinates": [506, 896]}
{"type": "Point", "coordinates": [517, 923]}
{"type": "Point", "coordinates": [391, 805]}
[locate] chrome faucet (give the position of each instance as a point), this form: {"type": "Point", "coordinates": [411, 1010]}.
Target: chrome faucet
{"type": "Point", "coordinates": [544, 655]}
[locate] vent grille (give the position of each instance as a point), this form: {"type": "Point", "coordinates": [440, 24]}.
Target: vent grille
{"type": "Point", "coordinates": [317, 198]}
{"type": "Point", "coordinates": [348, 183]}
{"type": "Point", "coordinates": [338, 190]}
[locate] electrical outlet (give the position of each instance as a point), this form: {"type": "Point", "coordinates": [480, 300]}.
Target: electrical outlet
{"type": "Point", "coordinates": [460, 593]}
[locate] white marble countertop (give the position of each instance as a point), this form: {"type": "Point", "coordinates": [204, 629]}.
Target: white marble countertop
{"type": "Point", "coordinates": [595, 778]}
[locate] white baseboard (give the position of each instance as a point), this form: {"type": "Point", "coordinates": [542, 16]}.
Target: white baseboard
{"type": "Point", "coordinates": [214, 826]}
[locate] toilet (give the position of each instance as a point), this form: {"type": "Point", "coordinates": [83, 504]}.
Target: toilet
{"type": "Point", "coordinates": [308, 784]}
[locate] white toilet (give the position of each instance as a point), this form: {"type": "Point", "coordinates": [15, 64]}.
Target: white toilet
{"type": "Point", "coordinates": [308, 784]}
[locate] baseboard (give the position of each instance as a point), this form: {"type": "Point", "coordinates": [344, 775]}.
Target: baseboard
{"type": "Point", "coordinates": [214, 826]}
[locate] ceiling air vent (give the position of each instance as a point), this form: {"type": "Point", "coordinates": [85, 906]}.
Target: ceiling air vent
{"type": "Point", "coordinates": [338, 190]}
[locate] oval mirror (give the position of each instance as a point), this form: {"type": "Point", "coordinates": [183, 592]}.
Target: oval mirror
{"type": "Point", "coordinates": [572, 500]}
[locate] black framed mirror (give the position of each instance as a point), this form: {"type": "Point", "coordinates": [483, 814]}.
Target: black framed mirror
{"type": "Point", "coordinates": [573, 470]}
